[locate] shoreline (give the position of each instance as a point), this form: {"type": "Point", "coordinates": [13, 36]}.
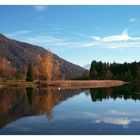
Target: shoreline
{"type": "Point", "coordinates": [65, 84]}
{"type": "Point", "coordinates": [73, 84]}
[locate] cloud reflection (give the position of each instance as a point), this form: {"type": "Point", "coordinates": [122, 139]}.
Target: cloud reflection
{"type": "Point", "coordinates": [114, 117]}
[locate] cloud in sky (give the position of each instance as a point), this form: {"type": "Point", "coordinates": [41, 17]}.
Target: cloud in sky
{"type": "Point", "coordinates": [131, 20]}
{"type": "Point", "coordinates": [122, 37]}
{"type": "Point", "coordinates": [123, 40]}
{"type": "Point", "coordinates": [46, 39]}
{"type": "Point", "coordinates": [52, 41]}
{"type": "Point", "coordinates": [115, 38]}
{"type": "Point", "coordinates": [40, 7]}
{"type": "Point", "coordinates": [115, 41]}
{"type": "Point", "coordinates": [17, 33]}
{"type": "Point", "coordinates": [95, 38]}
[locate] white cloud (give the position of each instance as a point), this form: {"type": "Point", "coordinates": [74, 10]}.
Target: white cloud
{"type": "Point", "coordinates": [40, 7]}
{"type": "Point", "coordinates": [122, 37]}
{"type": "Point", "coordinates": [17, 33]}
{"type": "Point", "coordinates": [123, 40]}
{"type": "Point", "coordinates": [46, 39]}
{"type": "Point", "coordinates": [131, 20]}
{"type": "Point", "coordinates": [90, 44]}
{"type": "Point", "coordinates": [52, 41]}
{"type": "Point", "coordinates": [122, 45]}
{"type": "Point", "coordinates": [95, 37]}
{"type": "Point", "coordinates": [114, 41]}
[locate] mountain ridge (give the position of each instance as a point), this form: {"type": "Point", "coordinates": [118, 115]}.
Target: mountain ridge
{"type": "Point", "coordinates": [21, 53]}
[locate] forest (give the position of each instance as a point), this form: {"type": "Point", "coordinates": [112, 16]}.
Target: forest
{"type": "Point", "coordinates": [115, 71]}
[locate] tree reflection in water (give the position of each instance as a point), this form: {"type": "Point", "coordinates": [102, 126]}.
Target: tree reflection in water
{"type": "Point", "coordinates": [131, 91]}
{"type": "Point", "coordinates": [16, 103]}
{"type": "Point", "coordinates": [29, 93]}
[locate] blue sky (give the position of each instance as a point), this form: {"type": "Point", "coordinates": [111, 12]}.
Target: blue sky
{"type": "Point", "coordinates": [78, 34]}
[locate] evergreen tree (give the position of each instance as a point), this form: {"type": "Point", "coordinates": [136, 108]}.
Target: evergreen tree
{"type": "Point", "coordinates": [138, 73]}
{"type": "Point", "coordinates": [116, 71]}
{"type": "Point", "coordinates": [127, 76]}
{"type": "Point", "coordinates": [94, 74]}
{"type": "Point", "coordinates": [91, 70]}
{"type": "Point", "coordinates": [30, 73]}
{"type": "Point", "coordinates": [108, 75]}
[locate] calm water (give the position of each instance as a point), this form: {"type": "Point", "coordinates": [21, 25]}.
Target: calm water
{"type": "Point", "coordinates": [51, 111]}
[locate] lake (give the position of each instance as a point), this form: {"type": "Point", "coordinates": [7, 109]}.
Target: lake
{"type": "Point", "coordinates": [70, 112]}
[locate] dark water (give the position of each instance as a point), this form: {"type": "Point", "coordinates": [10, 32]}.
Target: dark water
{"type": "Point", "coordinates": [51, 111]}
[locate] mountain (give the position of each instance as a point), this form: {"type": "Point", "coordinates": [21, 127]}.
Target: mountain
{"type": "Point", "coordinates": [19, 54]}
{"type": "Point", "coordinates": [87, 66]}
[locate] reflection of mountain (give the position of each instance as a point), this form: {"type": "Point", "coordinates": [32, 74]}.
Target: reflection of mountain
{"type": "Point", "coordinates": [17, 103]}
{"type": "Point", "coordinates": [124, 92]}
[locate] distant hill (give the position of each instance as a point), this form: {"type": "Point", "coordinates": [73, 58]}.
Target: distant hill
{"type": "Point", "coordinates": [19, 54]}
{"type": "Point", "coordinates": [87, 66]}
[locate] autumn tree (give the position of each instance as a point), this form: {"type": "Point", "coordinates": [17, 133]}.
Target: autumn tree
{"type": "Point", "coordinates": [6, 70]}
{"type": "Point", "coordinates": [39, 69]}
{"type": "Point", "coordinates": [47, 68]}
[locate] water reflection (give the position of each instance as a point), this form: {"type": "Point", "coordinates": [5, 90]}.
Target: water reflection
{"type": "Point", "coordinates": [19, 102]}
{"type": "Point", "coordinates": [29, 92]}
{"type": "Point", "coordinates": [93, 109]}
{"type": "Point", "coordinates": [123, 92]}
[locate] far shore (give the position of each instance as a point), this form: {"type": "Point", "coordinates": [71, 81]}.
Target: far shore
{"type": "Point", "coordinates": [64, 84]}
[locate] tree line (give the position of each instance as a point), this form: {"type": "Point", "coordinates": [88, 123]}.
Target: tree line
{"type": "Point", "coordinates": [114, 71]}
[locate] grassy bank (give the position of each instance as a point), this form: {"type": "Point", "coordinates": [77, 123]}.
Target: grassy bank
{"type": "Point", "coordinates": [82, 83]}
{"type": "Point", "coordinates": [17, 84]}
{"type": "Point", "coordinates": [65, 83]}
